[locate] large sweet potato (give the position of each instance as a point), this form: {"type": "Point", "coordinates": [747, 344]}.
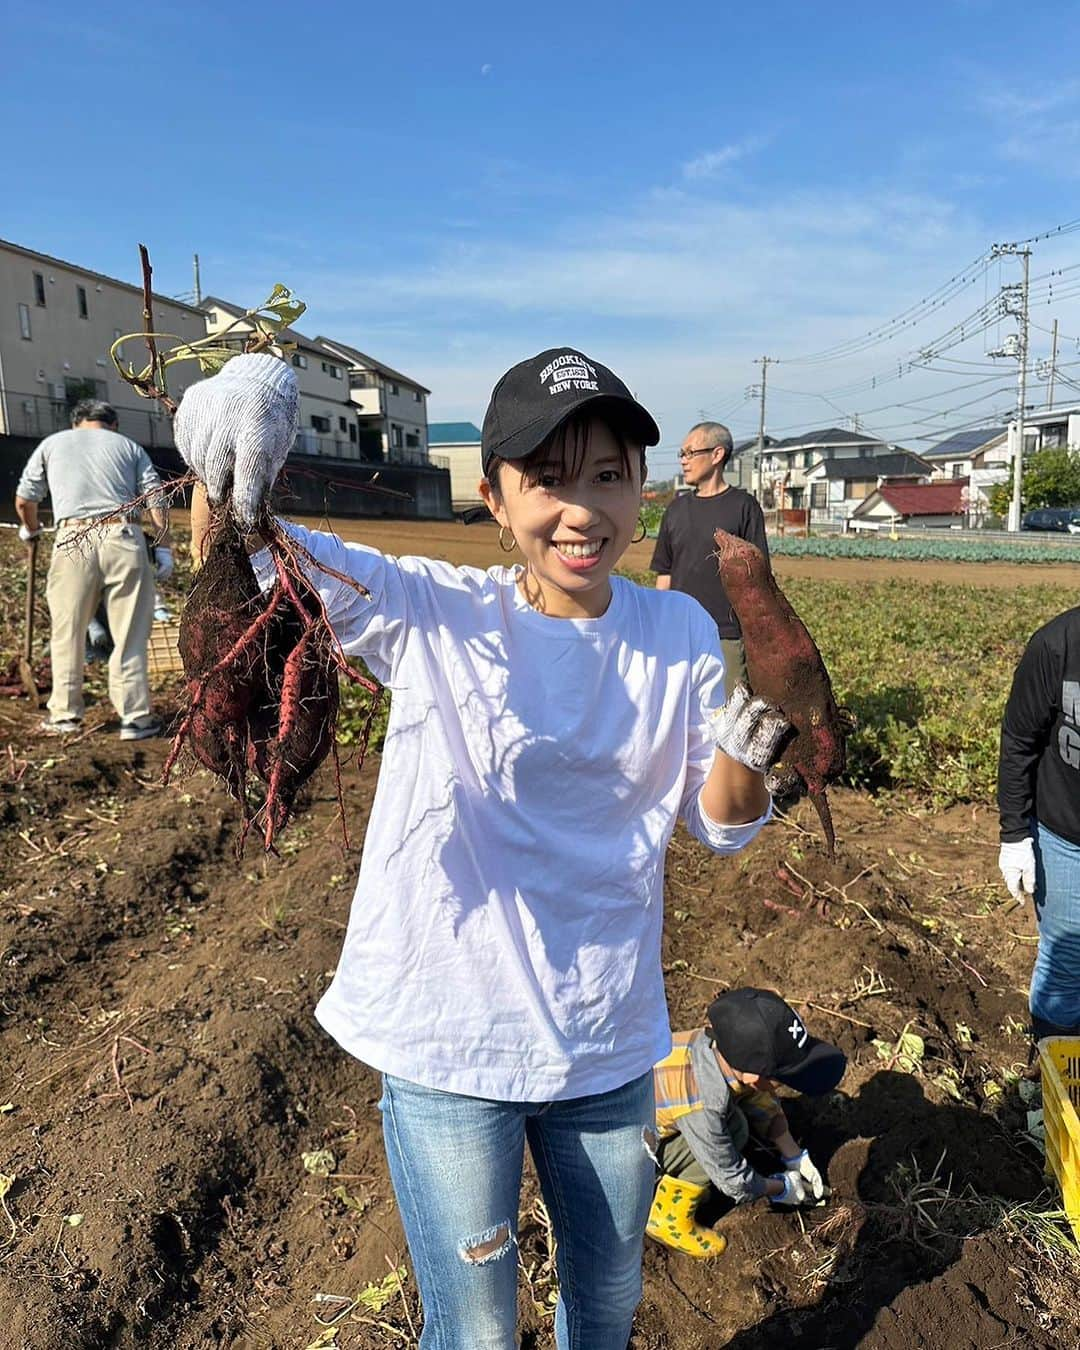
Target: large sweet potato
{"type": "Point", "coordinates": [784, 666]}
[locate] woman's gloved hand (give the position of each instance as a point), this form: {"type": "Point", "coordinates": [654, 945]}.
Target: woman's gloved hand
{"type": "Point", "coordinates": [236, 429]}
{"type": "Point", "coordinates": [749, 729]}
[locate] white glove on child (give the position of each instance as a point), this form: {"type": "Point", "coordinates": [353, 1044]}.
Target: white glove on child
{"type": "Point", "coordinates": [803, 1164]}
{"type": "Point", "coordinates": [748, 729]}
{"type": "Point", "coordinates": [236, 429]}
{"type": "Point", "coordinates": [1016, 862]}
{"type": "Point", "coordinates": [163, 562]}
{"type": "Point", "coordinates": [26, 534]}
{"type": "Point", "coordinates": [794, 1192]}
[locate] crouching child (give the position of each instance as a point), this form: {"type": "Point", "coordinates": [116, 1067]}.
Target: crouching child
{"type": "Point", "coordinates": [717, 1088]}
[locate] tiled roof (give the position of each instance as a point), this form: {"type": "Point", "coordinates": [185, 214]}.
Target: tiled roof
{"type": "Point", "coordinates": [926, 499]}
{"type": "Point", "coordinates": [830, 436]}
{"type": "Point", "coordinates": [902, 465]}
{"type": "Point", "coordinates": [453, 433]}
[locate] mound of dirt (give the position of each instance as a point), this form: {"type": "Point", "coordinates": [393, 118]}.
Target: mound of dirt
{"type": "Point", "coordinates": [194, 1163]}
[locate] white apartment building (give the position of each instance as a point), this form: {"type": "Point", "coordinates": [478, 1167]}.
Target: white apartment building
{"type": "Point", "coordinates": [390, 405]}
{"type": "Point", "coordinates": [57, 324]}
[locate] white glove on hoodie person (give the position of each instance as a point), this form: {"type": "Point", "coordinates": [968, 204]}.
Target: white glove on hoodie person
{"type": "Point", "coordinates": [1016, 862]}
{"type": "Point", "coordinates": [235, 430]}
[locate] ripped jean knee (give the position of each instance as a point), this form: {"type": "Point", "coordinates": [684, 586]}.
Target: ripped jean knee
{"type": "Point", "coordinates": [488, 1246]}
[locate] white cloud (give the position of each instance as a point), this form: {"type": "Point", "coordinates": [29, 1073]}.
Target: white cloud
{"type": "Point", "coordinates": [714, 162]}
{"type": "Point", "coordinates": [485, 69]}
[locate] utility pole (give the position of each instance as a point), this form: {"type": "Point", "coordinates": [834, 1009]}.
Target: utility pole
{"type": "Point", "coordinates": [1014, 300]}
{"type": "Point", "coordinates": [1053, 368]}
{"type": "Point", "coordinates": [764, 362]}
{"type": "Point", "coordinates": [198, 287]}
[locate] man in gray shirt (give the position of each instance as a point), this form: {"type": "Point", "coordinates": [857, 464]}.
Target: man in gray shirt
{"type": "Point", "coordinates": [91, 472]}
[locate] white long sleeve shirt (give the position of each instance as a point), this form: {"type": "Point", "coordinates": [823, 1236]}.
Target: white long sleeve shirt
{"type": "Point", "coordinates": [504, 938]}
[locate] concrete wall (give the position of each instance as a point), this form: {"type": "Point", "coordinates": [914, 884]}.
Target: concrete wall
{"type": "Point", "coordinates": [37, 373]}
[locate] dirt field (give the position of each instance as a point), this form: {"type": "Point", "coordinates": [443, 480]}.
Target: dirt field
{"type": "Point", "coordinates": [161, 1075]}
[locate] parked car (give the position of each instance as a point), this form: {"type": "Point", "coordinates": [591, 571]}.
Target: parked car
{"type": "Point", "coordinates": [1060, 519]}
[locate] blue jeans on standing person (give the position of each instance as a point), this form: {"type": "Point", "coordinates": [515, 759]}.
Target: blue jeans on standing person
{"type": "Point", "coordinates": [1055, 981]}
{"type": "Point", "coordinates": [456, 1166]}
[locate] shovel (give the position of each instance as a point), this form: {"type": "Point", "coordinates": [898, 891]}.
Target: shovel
{"type": "Point", "coordinates": [26, 673]}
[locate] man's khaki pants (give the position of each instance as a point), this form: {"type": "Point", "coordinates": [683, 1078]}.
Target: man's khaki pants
{"type": "Point", "coordinates": [109, 561]}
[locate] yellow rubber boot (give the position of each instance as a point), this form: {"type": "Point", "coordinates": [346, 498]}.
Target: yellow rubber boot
{"type": "Point", "coordinates": [672, 1220]}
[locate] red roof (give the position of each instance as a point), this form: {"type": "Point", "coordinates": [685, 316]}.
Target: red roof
{"type": "Point", "coordinates": [927, 499]}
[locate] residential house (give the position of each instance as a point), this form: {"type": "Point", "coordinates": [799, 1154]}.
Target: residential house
{"type": "Point", "coordinates": [836, 486]}
{"type": "Point", "coordinates": [979, 455]}
{"type": "Point", "coordinates": [739, 470]}
{"type": "Point", "coordinates": [58, 322]}
{"type": "Point", "coordinates": [329, 425]}
{"type": "Point", "coordinates": [459, 444]}
{"type": "Point", "coordinates": [927, 506]}
{"type": "Point", "coordinates": [785, 462]}
{"type": "Point", "coordinates": [392, 407]}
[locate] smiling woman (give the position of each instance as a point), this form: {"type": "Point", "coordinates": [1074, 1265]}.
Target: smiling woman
{"type": "Point", "coordinates": [501, 966]}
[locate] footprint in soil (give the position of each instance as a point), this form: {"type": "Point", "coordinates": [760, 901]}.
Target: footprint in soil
{"type": "Point", "coordinates": [902, 1137]}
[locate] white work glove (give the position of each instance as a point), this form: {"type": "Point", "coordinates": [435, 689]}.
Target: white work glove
{"type": "Point", "coordinates": [803, 1164]}
{"type": "Point", "coordinates": [1017, 864]}
{"type": "Point", "coordinates": [748, 729]}
{"type": "Point", "coordinates": [26, 535]}
{"type": "Point", "coordinates": [163, 562]}
{"type": "Point", "coordinates": [794, 1192]}
{"type": "Point", "coordinates": [236, 429]}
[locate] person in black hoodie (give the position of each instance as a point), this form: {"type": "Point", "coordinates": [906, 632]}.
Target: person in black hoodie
{"type": "Point", "coordinates": [1039, 803]}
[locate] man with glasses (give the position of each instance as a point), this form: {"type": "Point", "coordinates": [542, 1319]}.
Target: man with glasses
{"type": "Point", "coordinates": [683, 558]}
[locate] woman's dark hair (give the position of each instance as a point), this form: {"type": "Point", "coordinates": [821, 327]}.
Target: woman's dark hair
{"type": "Point", "coordinates": [93, 410]}
{"type": "Point", "coordinates": [568, 445]}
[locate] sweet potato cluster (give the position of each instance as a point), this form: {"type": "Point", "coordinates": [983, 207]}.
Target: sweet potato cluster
{"type": "Point", "coordinates": [262, 677]}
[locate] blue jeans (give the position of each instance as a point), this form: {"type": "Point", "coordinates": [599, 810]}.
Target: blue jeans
{"type": "Point", "coordinates": [456, 1166]}
{"type": "Point", "coordinates": [1055, 981]}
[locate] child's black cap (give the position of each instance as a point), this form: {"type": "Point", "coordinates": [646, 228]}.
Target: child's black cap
{"type": "Point", "coordinates": [536, 396]}
{"type": "Point", "coordinates": [757, 1032]}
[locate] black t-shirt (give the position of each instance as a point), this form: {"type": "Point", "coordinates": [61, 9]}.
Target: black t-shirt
{"type": "Point", "coordinates": [1039, 769]}
{"type": "Point", "coordinates": [685, 547]}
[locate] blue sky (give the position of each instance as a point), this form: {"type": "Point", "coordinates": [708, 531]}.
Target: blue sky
{"type": "Point", "coordinates": [676, 189]}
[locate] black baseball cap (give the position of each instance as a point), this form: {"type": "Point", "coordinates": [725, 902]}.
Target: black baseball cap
{"type": "Point", "coordinates": [536, 396]}
{"type": "Point", "coordinates": [757, 1032]}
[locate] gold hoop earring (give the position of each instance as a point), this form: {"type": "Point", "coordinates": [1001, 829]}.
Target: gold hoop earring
{"type": "Point", "coordinates": [637, 538]}
{"type": "Point", "coordinates": [502, 543]}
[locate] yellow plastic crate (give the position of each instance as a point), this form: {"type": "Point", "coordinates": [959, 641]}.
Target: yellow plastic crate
{"type": "Point", "coordinates": [1059, 1060]}
{"type": "Point", "coordinates": [163, 652]}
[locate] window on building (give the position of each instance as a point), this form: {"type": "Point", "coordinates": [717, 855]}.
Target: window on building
{"type": "Point", "coordinates": [412, 440]}
{"type": "Point", "coordinates": [24, 323]}
{"type": "Point", "coordinates": [795, 498]}
{"type": "Point", "coordinates": [330, 369]}
{"type": "Point", "coordinates": [320, 423]}
{"type": "Point", "coordinates": [342, 424]}
{"type": "Point", "coordinates": [299, 360]}
{"type": "Point", "coordinates": [352, 432]}
{"type": "Point", "coordinates": [819, 496]}
{"type": "Point", "coordinates": [84, 307]}
{"type": "Point", "coordinates": [958, 470]}
{"type": "Point", "coordinates": [1054, 437]}
{"type": "Point", "coordinates": [417, 396]}
{"type": "Point", "coordinates": [395, 436]}
{"type": "Point", "coordinates": [39, 290]}
{"type": "Point", "coordinates": [855, 489]}
{"type": "Point", "coordinates": [394, 388]}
